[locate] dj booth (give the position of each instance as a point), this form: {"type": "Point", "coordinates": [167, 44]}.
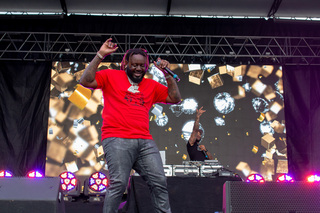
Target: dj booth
{"type": "Point", "coordinates": [190, 190]}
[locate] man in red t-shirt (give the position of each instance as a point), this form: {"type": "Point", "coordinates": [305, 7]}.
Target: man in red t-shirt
{"type": "Point", "coordinates": [126, 139]}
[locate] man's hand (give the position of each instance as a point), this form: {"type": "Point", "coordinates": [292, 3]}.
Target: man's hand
{"type": "Point", "coordinates": [107, 48]}
{"type": "Point", "coordinates": [200, 112]}
{"type": "Point", "coordinates": [202, 148]}
{"type": "Point", "coordinates": [162, 64]}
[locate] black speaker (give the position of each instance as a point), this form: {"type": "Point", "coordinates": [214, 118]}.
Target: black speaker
{"type": "Point", "coordinates": [186, 194]}
{"type": "Point", "coordinates": [19, 195]}
{"type": "Point", "coordinates": [271, 197]}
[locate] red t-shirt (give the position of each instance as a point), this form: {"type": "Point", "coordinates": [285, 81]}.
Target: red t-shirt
{"type": "Point", "coordinates": [126, 114]}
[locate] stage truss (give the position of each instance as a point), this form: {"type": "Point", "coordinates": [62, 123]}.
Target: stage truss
{"type": "Point", "coordinates": [203, 49]}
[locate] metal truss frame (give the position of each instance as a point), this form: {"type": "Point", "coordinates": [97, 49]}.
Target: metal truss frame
{"type": "Point", "coordinates": [203, 49]}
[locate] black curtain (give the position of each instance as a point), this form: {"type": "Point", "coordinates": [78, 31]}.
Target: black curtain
{"type": "Point", "coordinates": [302, 115]}
{"type": "Point", "coordinates": [24, 104]}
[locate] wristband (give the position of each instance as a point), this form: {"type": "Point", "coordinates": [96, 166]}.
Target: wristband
{"type": "Point", "coordinates": [168, 76]}
{"type": "Point", "coordinates": [100, 56]}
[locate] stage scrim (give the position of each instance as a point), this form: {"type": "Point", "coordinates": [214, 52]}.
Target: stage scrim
{"type": "Point", "coordinates": [244, 124]}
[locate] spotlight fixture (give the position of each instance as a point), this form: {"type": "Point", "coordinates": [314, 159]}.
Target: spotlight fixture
{"type": "Point", "coordinates": [70, 185]}
{"type": "Point", "coordinates": [255, 178]}
{"type": "Point", "coordinates": [35, 174]}
{"type": "Point", "coordinates": [285, 178]}
{"type": "Point", "coordinates": [313, 178]}
{"type": "Point", "coordinates": [5, 174]}
{"type": "Point", "coordinates": [95, 186]}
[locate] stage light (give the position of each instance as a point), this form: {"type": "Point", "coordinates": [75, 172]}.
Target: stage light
{"type": "Point", "coordinates": [70, 186]}
{"type": "Point", "coordinates": [5, 174]}
{"type": "Point", "coordinates": [35, 174]}
{"type": "Point", "coordinates": [98, 182]}
{"type": "Point", "coordinates": [95, 186]}
{"type": "Point", "coordinates": [68, 181]}
{"type": "Point", "coordinates": [285, 178]}
{"type": "Point", "coordinates": [313, 178]}
{"type": "Point", "coordinates": [255, 178]}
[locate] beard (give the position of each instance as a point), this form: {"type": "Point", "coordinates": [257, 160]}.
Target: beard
{"type": "Point", "coordinates": [133, 77]}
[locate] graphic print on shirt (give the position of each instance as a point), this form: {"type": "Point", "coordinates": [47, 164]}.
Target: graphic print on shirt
{"type": "Point", "coordinates": [135, 99]}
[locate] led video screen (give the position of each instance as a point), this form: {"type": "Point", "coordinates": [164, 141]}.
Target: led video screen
{"type": "Point", "coordinates": [243, 126]}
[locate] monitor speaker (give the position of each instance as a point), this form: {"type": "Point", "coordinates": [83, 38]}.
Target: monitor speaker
{"type": "Point", "coordinates": [270, 197]}
{"type": "Point", "coordinates": [25, 195]}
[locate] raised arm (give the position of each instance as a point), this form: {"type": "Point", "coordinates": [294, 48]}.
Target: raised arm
{"type": "Point", "coordinates": [88, 77]}
{"type": "Point", "coordinates": [174, 96]}
{"type": "Point", "coordinates": [194, 133]}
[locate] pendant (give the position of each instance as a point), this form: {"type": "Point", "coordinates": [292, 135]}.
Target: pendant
{"type": "Point", "coordinates": [133, 89]}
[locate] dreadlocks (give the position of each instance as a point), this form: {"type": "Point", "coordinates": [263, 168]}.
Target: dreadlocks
{"type": "Point", "coordinates": [136, 51]}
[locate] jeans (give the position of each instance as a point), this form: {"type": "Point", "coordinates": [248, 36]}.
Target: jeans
{"type": "Point", "coordinates": [143, 156]}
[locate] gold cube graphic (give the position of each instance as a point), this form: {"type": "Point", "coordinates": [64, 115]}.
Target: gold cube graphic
{"type": "Point", "coordinates": [267, 141]}
{"type": "Point", "coordinates": [63, 66]}
{"type": "Point", "coordinates": [239, 72]}
{"type": "Point", "coordinates": [254, 71]}
{"type": "Point", "coordinates": [223, 70]}
{"type": "Point", "coordinates": [238, 93]}
{"type": "Point", "coordinates": [258, 87]}
{"type": "Point", "coordinates": [269, 93]}
{"type": "Point", "coordinates": [196, 76]}
{"type": "Point", "coordinates": [280, 86]}
{"type": "Point", "coordinates": [270, 116]}
{"type": "Point", "coordinates": [244, 167]}
{"type": "Point", "coordinates": [80, 97]}
{"type": "Point", "coordinates": [276, 107]}
{"type": "Point", "coordinates": [279, 73]}
{"type": "Point", "coordinates": [266, 70]}
{"type": "Point", "coordinates": [282, 166]}
{"type": "Point", "coordinates": [255, 149]}
{"type": "Point", "coordinates": [215, 81]}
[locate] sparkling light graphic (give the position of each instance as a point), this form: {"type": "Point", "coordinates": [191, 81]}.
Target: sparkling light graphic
{"type": "Point", "coordinates": [224, 103]}
{"type": "Point", "coordinates": [219, 121]}
{"type": "Point", "coordinates": [260, 105]}
{"type": "Point", "coordinates": [188, 106]}
{"type": "Point", "coordinates": [246, 87]}
{"type": "Point", "coordinates": [162, 120]}
{"type": "Point", "coordinates": [265, 127]}
{"type": "Point", "coordinates": [176, 109]}
{"type": "Point", "coordinates": [158, 75]}
{"type": "Point", "coordinates": [187, 130]}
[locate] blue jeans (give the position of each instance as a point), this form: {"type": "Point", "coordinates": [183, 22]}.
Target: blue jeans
{"type": "Point", "coordinates": [143, 156]}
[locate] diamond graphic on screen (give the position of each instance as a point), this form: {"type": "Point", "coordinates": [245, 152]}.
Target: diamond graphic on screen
{"type": "Point", "coordinates": [158, 75]}
{"type": "Point", "coordinates": [187, 130]}
{"type": "Point", "coordinates": [162, 120]}
{"type": "Point", "coordinates": [176, 110]}
{"type": "Point", "coordinates": [188, 106]}
{"type": "Point", "coordinates": [224, 103]}
{"type": "Point", "coordinates": [247, 87]}
{"type": "Point", "coordinates": [279, 95]}
{"type": "Point", "coordinates": [157, 110]}
{"type": "Point", "coordinates": [260, 105]}
{"type": "Point", "coordinates": [219, 121]}
{"type": "Point", "coordinates": [265, 127]}
{"type": "Point", "coordinates": [208, 67]}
